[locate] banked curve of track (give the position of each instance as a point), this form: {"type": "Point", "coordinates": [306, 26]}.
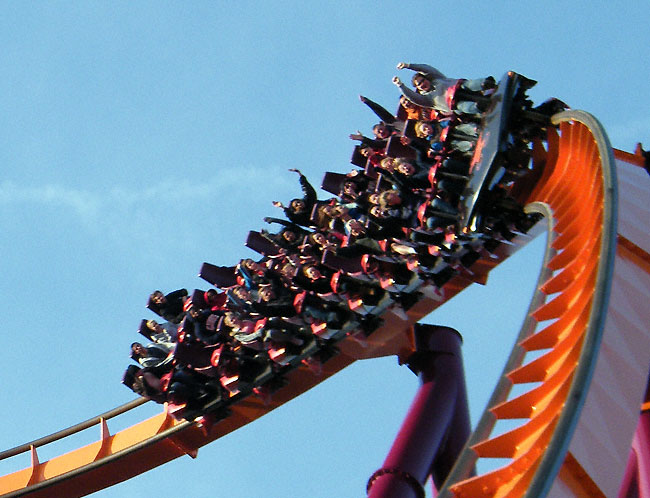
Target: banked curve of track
{"type": "Point", "coordinates": [577, 194]}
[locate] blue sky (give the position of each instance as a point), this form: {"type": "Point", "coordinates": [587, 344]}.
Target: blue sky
{"type": "Point", "coordinates": [140, 139]}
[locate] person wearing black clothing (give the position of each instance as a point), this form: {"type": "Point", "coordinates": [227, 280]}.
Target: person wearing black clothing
{"type": "Point", "coordinates": [155, 356]}
{"type": "Point", "coordinates": [382, 133]}
{"type": "Point", "coordinates": [406, 176]}
{"type": "Point", "coordinates": [274, 301]}
{"type": "Point", "coordinates": [311, 278]}
{"type": "Point", "coordinates": [169, 306]}
{"type": "Point", "coordinates": [202, 325]}
{"type": "Point", "coordinates": [299, 210]}
{"type": "Point", "coordinates": [147, 385]}
{"type": "Point", "coordinates": [381, 112]}
{"type": "Point", "coordinates": [289, 237]}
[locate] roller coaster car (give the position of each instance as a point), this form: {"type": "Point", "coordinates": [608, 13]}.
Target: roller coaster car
{"type": "Point", "coordinates": [395, 148]}
{"type": "Point", "coordinates": [220, 276]}
{"type": "Point", "coordinates": [128, 379]}
{"type": "Point", "coordinates": [196, 356]}
{"type": "Point", "coordinates": [144, 330]}
{"type": "Point", "coordinates": [333, 182]}
{"type": "Point", "coordinates": [495, 141]}
{"type": "Point", "coordinates": [358, 159]}
{"type": "Point", "coordinates": [259, 243]}
{"type": "Point", "coordinates": [336, 263]}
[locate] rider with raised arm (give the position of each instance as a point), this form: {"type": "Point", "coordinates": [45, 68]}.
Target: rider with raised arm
{"type": "Point", "coordinates": [299, 210]}
{"type": "Point", "coordinates": [431, 88]}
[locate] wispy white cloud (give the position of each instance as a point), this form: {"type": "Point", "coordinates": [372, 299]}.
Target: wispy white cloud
{"type": "Point", "coordinates": [177, 211]}
{"type": "Point", "coordinates": [84, 203]}
{"type": "Point", "coordinates": [88, 204]}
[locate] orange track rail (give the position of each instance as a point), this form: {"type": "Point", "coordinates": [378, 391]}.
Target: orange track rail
{"type": "Point", "coordinates": [578, 194]}
{"type": "Point", "coordinates": [160, 439]}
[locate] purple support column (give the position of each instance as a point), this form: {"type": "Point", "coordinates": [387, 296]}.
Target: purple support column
{"type": "Point", "coordinates": [437, 424]}
{"type": "Point", "coordinates": [636, 481]}
{"type": "Point", "coordinates": [642, 447]}
{"type": "Point", "coordinates": [629, 485]}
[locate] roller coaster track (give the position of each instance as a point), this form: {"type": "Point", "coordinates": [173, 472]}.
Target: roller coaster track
{"type": "Point", "coordinates": [584, 348]}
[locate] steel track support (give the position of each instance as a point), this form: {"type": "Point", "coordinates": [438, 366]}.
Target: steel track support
{"type": "Point", "coordinates": [437, 424]}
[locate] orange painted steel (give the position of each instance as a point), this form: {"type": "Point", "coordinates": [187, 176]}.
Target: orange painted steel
{"type": "Point", "coordinates": [160, 439]}
{"type": "Point", "coordinates": [577, 194]}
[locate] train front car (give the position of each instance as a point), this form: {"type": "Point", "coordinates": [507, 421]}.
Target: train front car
{"type": "Point", "coordinates": [503, 153]}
